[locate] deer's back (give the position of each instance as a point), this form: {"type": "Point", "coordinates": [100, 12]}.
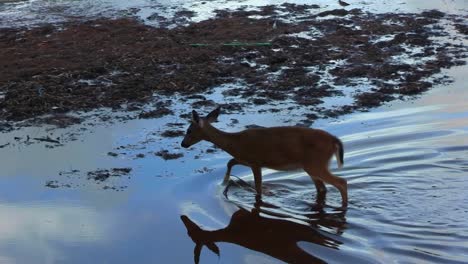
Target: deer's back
{"type": "Point", "coordinates": [283, 148]}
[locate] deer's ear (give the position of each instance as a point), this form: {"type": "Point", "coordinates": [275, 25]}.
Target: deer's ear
{"type": "Point", "coordinates": [195, 117]}
{"type": "Point", "coordinates": [213, 116]}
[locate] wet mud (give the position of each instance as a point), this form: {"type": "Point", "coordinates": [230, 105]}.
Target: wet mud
{"type": "Point", "coordinates": [167, 155]}
{"type": "Point", "coordinates": [99, 177]}
{"type": "Point", "coordinates": [276, 52]}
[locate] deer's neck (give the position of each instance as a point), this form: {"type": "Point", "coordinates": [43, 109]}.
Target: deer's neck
{"type": "Point", "coordinates": [221, 139]}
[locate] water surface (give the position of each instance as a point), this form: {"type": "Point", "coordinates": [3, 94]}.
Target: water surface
{"type": "Point", "coordinates": [406, 165]}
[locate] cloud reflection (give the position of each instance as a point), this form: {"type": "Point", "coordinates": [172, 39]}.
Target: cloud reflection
{"type": "Point", "coordinates": [37, 231]}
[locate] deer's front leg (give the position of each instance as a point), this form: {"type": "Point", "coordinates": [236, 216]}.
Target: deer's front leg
{"type": "Point", "coordinates": [230, 164]}
{"type": "Point", "coordinates": [257, 172]}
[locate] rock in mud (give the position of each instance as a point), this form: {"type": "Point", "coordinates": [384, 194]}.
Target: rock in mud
{"type": "Point", "coordinates": [104, 174]}
{"type": "Point", "coordinates": [173, 133]}
{"type": "Point", "coordinates": [166, 155]}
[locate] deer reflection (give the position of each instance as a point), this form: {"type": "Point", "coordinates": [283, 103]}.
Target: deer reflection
{"type": "Point", "coordinates": [275, 237]}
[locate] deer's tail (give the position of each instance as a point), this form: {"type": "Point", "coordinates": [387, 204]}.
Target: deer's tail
{"type": "Point", "coordinates": [339, 152]}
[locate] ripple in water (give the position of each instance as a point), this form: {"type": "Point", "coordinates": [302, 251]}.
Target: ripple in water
{"type": "Point", "coordinates": [407, 187]}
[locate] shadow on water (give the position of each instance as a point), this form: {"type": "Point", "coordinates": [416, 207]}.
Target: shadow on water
{"type": "Point", "coordinates": [265, 232]}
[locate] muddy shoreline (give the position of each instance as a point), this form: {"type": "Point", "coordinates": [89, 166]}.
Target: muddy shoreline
{"type": "Point", "coordinates": [83, 183]}
{"type": "Point", "coordinates": [276, 53]}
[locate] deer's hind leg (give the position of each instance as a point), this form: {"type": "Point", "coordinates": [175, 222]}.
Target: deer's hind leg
{"type": "Point", "coordinates": [321, 189]}
{"type": "Point", "coordinates": [322, 173]}
{"type": "Point", "coordinates": [340, 183]}
{"type": "Point", "coordinates": [319, 185]}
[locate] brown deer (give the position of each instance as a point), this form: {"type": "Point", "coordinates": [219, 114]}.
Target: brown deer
{"type": "Point", "coordinates": [278, 148]}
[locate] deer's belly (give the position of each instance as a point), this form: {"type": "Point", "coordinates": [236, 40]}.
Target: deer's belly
{"type": "Point", "coordinates": [285, 167]}
{"type": "Point", "coordinates": [275, 164]}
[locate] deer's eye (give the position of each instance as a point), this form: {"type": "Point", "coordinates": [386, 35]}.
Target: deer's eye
{"type": "Point", "coordinates": [189, 131]}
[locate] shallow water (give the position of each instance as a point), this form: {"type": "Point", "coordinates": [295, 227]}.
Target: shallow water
{"type": "Point", "coordinates": [406, 166]}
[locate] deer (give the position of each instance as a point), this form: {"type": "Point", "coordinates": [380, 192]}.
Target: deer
{"type": "Point", "coordinates": [282, 148]}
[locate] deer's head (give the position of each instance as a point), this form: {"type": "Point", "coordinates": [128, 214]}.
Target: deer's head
{"type": "Point", "coordinates": [195, 132]}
